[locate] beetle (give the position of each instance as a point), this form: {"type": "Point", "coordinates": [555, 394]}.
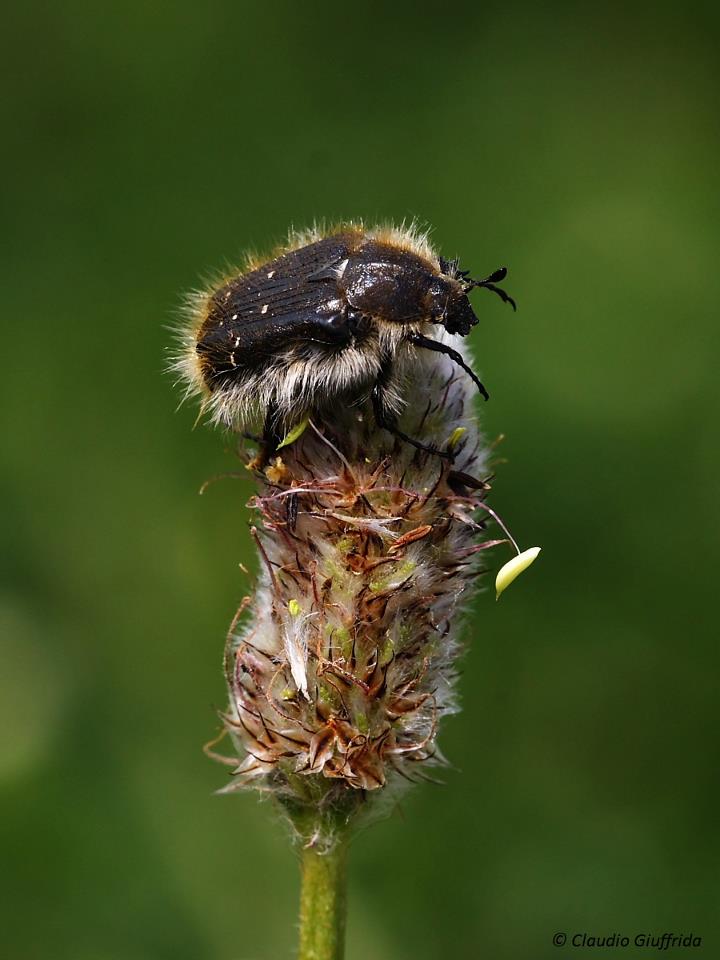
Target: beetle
{"type": "Point", "coordinates": [330, 318]}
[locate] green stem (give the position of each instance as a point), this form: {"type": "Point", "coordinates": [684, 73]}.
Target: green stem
{"type": "Point", "coordinates": [323, 903]}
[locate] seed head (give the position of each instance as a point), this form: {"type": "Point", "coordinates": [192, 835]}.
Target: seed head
{"type": "Point", "coordinates": [370, 550]}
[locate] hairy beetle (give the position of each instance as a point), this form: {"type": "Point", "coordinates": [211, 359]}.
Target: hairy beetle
{"type": "Point", "coordinates": [331, 318]}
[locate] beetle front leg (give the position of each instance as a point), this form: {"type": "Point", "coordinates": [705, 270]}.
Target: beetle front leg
{"type": "Point", "coordinates": [420, 341]}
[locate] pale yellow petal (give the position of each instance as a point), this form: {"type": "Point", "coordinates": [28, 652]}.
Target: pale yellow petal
{"type": "Point", "coordinates": [297, 431]}
{"type": "Point", "coordinates": [456, 436]}
{"type": "Point", "coordinates": [513, 568]}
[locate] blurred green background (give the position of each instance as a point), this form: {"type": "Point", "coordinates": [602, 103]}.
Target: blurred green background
{"type": "Point", "coordinates": [147, 144]}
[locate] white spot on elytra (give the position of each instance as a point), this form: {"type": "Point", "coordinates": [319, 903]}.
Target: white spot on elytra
{"type": "Point", "coordinates": [271, 275]}
{"type": "Point", "coordinates": [264, 309]}
{"type": "Point", "coordinates": [237, 341]}
{"type": "Point", "coordinates": [234, 316]}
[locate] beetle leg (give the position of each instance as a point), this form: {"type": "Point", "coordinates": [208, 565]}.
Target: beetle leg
{"type": "Point", "coordinates": [387, 421]}
{"type": "Point", "coordinates": [420, 341]}
{"type": "Point", "coordinates": [269, 441]}
{"type": "Point", "coordinates": [333, 328]}
{"type": "Point", "coordinates": [291, 511]}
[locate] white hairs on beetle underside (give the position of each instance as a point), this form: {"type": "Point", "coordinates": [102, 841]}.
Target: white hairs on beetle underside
{"type": "Point", "coordinates": [303, 375]}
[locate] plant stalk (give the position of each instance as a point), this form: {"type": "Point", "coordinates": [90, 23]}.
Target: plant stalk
{"type": "Point", "coordinates": [323, 902]}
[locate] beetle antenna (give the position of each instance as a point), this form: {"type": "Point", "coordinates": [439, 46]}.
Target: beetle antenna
{"type": "Point", "coordinates": [497, 276]}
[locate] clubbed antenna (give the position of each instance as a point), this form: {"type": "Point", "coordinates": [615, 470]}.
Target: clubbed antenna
{"type": "Point", "coordinates": [489, 283]}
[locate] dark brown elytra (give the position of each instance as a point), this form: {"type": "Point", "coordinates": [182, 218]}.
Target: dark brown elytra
{"type": "Point", "coordinates": [331, 292]}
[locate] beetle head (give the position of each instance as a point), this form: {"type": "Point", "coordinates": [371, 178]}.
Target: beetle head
{"type": "Point", "coordinates": [449, 296]}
